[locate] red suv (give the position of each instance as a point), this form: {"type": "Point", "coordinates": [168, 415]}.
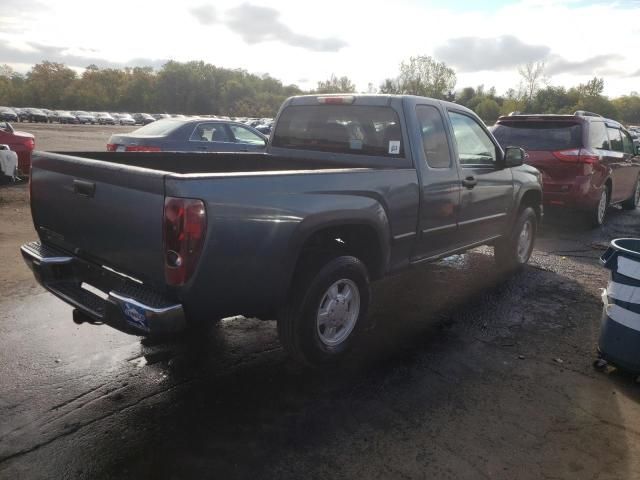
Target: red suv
{"type": "Point", "coordinates": [588, 162]}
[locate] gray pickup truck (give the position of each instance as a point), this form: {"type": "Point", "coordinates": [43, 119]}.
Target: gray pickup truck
{"type": "Point", "coordinates": [350, 189]}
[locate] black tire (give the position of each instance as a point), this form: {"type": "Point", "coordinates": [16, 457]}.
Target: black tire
{"type": "Point", "coordinates": [597, 217]}
{"type": "Point", "coordinates": [298, 326]}
{"type": "Point", "coordinates": [508, 252]}
{"type": "Point", "coordinates": [632, 202]}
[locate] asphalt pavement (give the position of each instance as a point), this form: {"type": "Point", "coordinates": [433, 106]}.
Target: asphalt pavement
{"type": "Point", "coordinates": [468, 374]}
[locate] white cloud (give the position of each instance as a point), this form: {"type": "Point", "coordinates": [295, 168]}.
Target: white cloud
{"type": "Point", "coordinates": [294, 42]}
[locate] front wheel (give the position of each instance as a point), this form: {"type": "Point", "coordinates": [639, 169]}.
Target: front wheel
{"type": "Point", "coordinates": [325, 312]}
{"type": "Point", "coordinates": [632, 202]}
{"type": "Point", "coordinates": [514, 251]}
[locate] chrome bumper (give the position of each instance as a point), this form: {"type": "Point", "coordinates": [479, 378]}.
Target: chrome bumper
{"type": "Point", "coordinates": [125, 305]}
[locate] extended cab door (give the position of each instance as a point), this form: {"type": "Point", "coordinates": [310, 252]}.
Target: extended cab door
{"type": "Point", "coordinates": [440, 189]}
{"type": "Point", "coordinates": [487, 188]}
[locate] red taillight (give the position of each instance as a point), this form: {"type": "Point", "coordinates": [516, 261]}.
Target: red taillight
{"type": "Point", "coordinates": [577, 155]}
{"type": "Point", "coordinates": [111, 147]}
{"type": "Point", "coordinates": [185, 226]}
{"type": "Point", "coordinates": [141, 148]}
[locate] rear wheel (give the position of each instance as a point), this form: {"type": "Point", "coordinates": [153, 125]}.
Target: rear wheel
{"type": "Point", "coordinates": [597, 216]}
{"type": "Point", "coordinates": [632, 202]}
{"type": "Point", "coordinates": [514, 251]}
{"type": "Point", "coordinates": [325, 312]}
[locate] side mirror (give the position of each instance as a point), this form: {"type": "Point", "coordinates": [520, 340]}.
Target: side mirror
{"type": "Point", "coordinates": [514, 156]}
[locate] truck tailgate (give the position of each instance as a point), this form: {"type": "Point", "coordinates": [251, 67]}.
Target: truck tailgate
{"type": "Point", "coordinates": [108, 213]}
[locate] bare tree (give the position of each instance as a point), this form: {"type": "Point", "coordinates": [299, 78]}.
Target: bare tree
{"type": "Point", "coordinates": [6, 71]}
{"type": "Point", "coordinates": [532, 79]}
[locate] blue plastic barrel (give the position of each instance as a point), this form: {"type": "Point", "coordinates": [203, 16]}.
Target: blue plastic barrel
{"type": "Point", "coordinates": [619, 342]}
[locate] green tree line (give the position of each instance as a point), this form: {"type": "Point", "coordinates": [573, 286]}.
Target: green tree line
{"type": "Point", "coordinates": [188, 88]}
{"type": "Point", "coordinates": [202, 88]}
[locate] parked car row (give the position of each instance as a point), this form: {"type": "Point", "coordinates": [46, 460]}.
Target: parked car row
{"type": "Point", "coordinates": [43, 115]}
{"type": "Point", "coordinates": [36, 115]}
{"type": "Point", "coordinates": [588, 162]}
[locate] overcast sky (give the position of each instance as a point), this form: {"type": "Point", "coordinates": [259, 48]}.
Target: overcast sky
{"type": "Point", "coordinates": [303, 42]}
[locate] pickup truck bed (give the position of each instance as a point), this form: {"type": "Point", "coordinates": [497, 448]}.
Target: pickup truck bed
{"type": "Point", "coordinates": [109, 213]}
{"type": "Point", "coordinates": [233, 163]}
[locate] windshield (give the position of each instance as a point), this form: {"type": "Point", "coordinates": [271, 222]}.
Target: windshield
{"type": "Point", "coordinates": [353, 129]}
{"type": "Point", "coordinates": [541, 135]}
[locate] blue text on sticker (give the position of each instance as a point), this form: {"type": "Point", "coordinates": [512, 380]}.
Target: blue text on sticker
{"type": "Point", "coordinates": [135, 316]}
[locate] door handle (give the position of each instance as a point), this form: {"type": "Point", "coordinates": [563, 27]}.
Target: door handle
{"type": "Point", "coordinates": [469, 182]}
{"type": "Point", "coordinates": [87, 189]}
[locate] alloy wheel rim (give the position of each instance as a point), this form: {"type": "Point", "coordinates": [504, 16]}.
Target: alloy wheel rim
{"type": "Point", "coordinates": [338, 312]}
{"type": "Point", "coordinates": [602, 206]}
{"type": "Point", "coordinates": [524, 241]}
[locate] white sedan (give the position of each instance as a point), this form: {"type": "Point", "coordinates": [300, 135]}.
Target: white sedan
{"type": "Point", "coordinates": [124, 119]}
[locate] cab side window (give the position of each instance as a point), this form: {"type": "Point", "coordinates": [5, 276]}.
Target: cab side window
{"type": "Point", "coordinates": [627, 143]}
{"type": "Point", "coordinates": [434, 137]}
{"type": "Point", "coordinates": [474, 145]}
{"type": "Point", "coordinates": [615, 138]}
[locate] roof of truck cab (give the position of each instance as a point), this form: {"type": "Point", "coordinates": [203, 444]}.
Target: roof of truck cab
{"type": "Point", "coordinates": [376, 99]}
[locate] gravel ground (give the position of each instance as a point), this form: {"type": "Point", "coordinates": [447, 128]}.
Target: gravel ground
{"type": "Point", "coordinates": [55, 137]}
{"type": "Point", "coordinates": [468, 375]}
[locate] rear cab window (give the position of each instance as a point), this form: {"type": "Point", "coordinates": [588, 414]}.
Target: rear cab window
{"type": "Point", "coordinates": [539, 135]}
{"type": "Point", "coordinates": [348, 129]}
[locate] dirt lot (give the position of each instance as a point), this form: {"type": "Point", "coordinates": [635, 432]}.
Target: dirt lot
{"type": "Point", "coordinates": [56, 137]}
{"type": "Point", "coordinates": [469, 375]}
{"type": "Point", "coordinates": [15, 216]}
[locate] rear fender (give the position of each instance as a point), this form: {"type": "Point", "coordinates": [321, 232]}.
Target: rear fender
{"type": "Point", "coordinates": [374, 217]}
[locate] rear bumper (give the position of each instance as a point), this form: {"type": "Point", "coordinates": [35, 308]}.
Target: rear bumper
{"type": "Point", "coordinates": [579, 193]}
{"type": "Point", "coordinates": [125, 305]}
